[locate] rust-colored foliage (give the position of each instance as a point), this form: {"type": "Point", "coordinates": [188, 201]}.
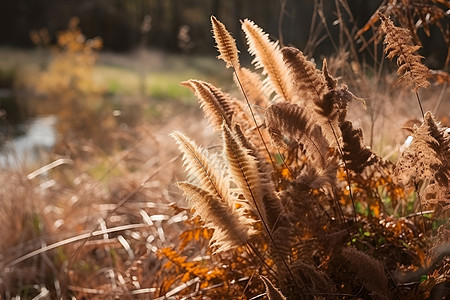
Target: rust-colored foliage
{"type": "Point", "coordinates": [316, 208]}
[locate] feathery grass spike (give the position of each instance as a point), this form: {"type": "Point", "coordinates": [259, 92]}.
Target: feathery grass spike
{"type": "Point", "coordinates": [268, 56]}
{"type": "Point", "coordinates": [225, 44]}
{"type": "Point", "coordinates": [229, 106]}
{"type": "Point", "coordinates": [202, 167]}
{"type": "Point", "coordinates": [270, 201]}
{"type": "Point", "coordinates": [216, 105]}
{"type": "Point", "coordinates": [244, 170]}
{"type": "Point", "coordinates": [230, 228]}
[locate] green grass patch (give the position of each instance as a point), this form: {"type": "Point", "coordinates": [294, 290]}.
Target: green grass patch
{"type": "Point", "coordinates": [167, 86]}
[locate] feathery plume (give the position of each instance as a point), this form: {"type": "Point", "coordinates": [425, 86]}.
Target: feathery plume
{"type": "Point", "coordinates": [225, 44]}
{"type": "Point", "coordinates": [243, 167]}
{"type": "Point", "coordinates": [306, 78]}
{"type": "Point", "coordinates": [436, 197]}
{"type": "Point", "coordinates": [368, 270]}
{"type": "Point", "coordinates": [203, 169]}
{"type": "Point", "coordinates": [217, 105]}
{"type": "Point", "coordinates": [244, 171]}
{"type": "Point", "coordinates": [231, 229]}
{"type": "Point", "coordinates": [268, 57]}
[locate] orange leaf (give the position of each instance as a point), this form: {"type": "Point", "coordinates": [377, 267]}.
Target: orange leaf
{"type": "Point", "coordinates": [186, 277]}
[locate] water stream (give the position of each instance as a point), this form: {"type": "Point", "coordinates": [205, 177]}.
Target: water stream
{"type": "Point", "coordinates": [38, 139]}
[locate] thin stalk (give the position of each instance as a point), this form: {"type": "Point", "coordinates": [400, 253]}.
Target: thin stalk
{"type": "Point", "coordinates": [285, 164]}
{"type": "Point", "coordinates": [346, 171]}
{"type": "Point", "coordinates": [280, 21]}
{"type": "Point", "coordinates": [249, 280]}
{"type": "Point", "coordinates": [253, 117]}
{"type": "Point", "coordinates": [420, 104]}
{"type": "Point", "coordinates": [256, 252]}
{"type": "Point", "coordinates": [341, 212]}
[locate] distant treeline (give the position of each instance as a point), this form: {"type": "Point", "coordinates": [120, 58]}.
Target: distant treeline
{"type": "Point", "coordinates": [179, 25]}
{"type": "Point", "coordinates": [174, 24]}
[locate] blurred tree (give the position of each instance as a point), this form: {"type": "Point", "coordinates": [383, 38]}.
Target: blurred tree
{"type": "Point", "coordinates": [119, 22]}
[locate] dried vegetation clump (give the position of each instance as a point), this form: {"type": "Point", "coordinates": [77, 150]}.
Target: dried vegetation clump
{"type": "Point", "coordinates": [297, 205]}
{"type": "Point", "coordinates": [286, 201]}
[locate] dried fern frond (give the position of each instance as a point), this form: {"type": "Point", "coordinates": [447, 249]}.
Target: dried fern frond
{"type": "Point", "coordinates": [308, 82]}
{"type": "Point", "coordinates": [315, 178]}
{"type": "Point", "coordinates": [203, 169]}
{"type": "Point", "coordinates": [244, 118]}
{"type": "Point", "coordinates": [231, 229]}
{"type": "Point", "coordinates": [252, 86]}
{"type": "Point", "coordinates": [442, 135]}
{"type": "Point", "coordinates": [232, 107]}
{"type": "Point", "coordinates": [330, 101]}
{"type": "Point", "coordinates": [332, 85]}
{"type": "Point", "coordinates": [272, 292]}
{"type": "Point", "coordinates": [414, 15]}
{"type": "Point", "coordinates": [288, 119]}
{"type": "Point", "coordinates": [437, 197]}
{"type": "Point", "coordinates": [398, 42]}
{"type": "Point", "coordinates": [356, 155]}
{"type": "Point", "coordinates": [331, 82]}
{"type": "Point", "coordinates": [271, 201]}
{"type": "Point", "coordinates": [334, 105]}
{"type": "Point", "coordinates": [225, 44]}
{"type": "Point", "coordinates": [268, 56]}
{"type": "Point", "coordinates": [217, 105]}
{"type": "Point", "coordinates": [427, 157]}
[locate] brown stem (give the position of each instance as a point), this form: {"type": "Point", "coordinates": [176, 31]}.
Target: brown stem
{"type": "Point", "coordinates": [346, 171]}
{"type": "Point", "coordinates": [420, 104]}
{"type": "Point", "coordinates": [254, 118]}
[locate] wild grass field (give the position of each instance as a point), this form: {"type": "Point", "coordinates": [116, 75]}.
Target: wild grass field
{"type": "Point", "coordinates": [305, 178]}
{"type": "Point", "coordinates": [109, 175]}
